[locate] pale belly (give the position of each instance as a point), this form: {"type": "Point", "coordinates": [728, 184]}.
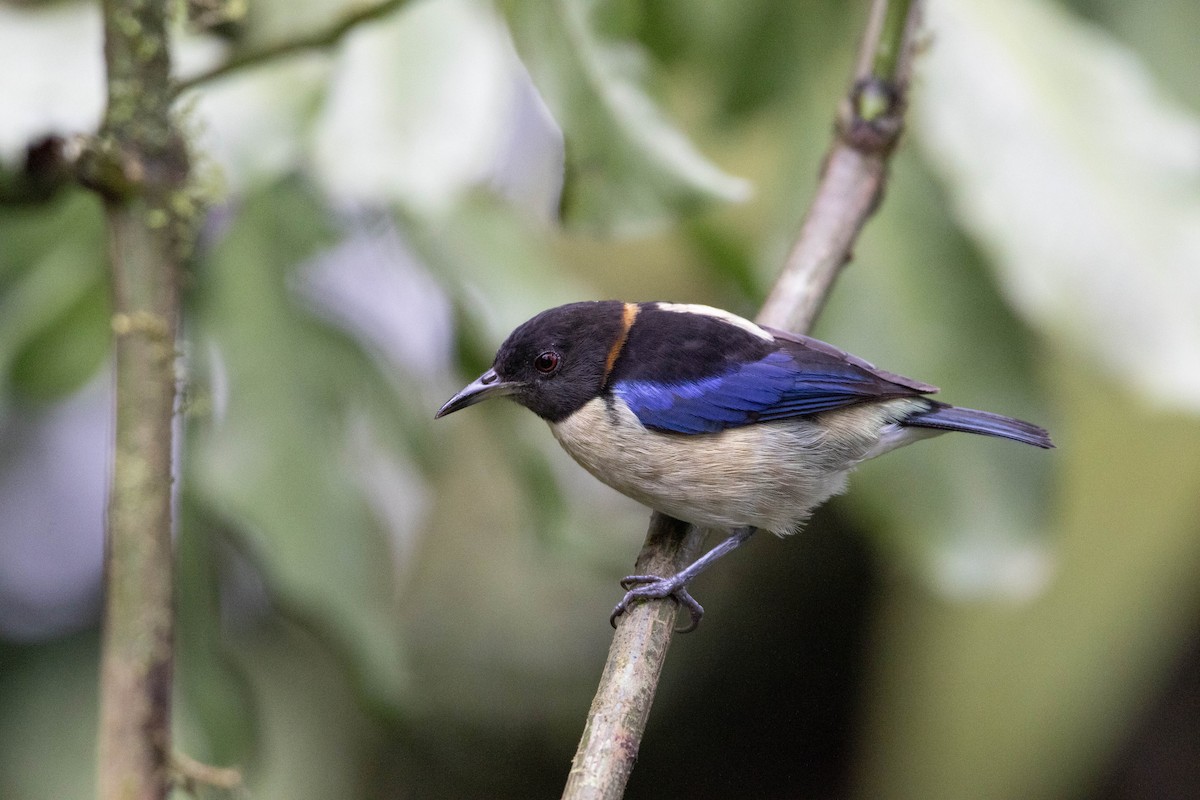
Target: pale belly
{"type": "Point", "coordinates": [769, 475]}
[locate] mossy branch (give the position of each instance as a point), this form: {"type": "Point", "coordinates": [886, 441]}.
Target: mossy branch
{"type": "Point", "coordinates": [869, 124]}
{"type": "Point", "coordinates": [138, 163]}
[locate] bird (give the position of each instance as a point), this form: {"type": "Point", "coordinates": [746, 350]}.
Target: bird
{"type": "Point", "coordinates": [712, 419]}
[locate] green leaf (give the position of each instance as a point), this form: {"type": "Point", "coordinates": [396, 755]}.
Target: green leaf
{"type": "Point", "coordinates": [54, 306]}
{"type": "Point", "coordinates": [725, 255]}
{"type": "Point", "coordinates": [65, 354]}
{"type": "Point", "coordinates": [496, 259]}
{"type": "Point", "coordinates": [44, 685]}
{"type": "Point", "coordinates": [214, 689]}
{"type": "Point", "coordinates": [290, 456]}
{"type": "Point", "coordinates": [629, 169]}
{"type": "Point", "coordinates": [1081, 180]}
{"type": "Point", "coordinates": [754, 56]}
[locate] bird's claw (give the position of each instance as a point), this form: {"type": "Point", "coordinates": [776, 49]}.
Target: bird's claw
{"type": "Point", "coordinates": [652, 587]}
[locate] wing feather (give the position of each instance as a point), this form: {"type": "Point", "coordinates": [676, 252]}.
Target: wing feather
{"type": "Point", "coordinates": [801, 377]}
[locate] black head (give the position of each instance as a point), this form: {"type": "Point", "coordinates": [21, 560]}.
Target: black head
{"type": "Point", "coordinates": [554, 363]}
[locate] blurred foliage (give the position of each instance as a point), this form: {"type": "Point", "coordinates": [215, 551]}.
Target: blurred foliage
{"type": "Point", "coordinates": [372, 605]}
{"type": "Point", "coordinates": [627, 167]}
{"type": "Point", "coordinates": [935, 288]}
{"type": "Point", "coordinates": [295, 389]}
{"type": "Point", "coordinates": [53, 297]}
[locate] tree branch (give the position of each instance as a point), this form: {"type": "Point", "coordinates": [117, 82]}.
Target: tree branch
{"type": "Point", "coordinates": [318, 40]}
{"type": "Point", "coordinates": [869, 124]}
{"type": "Point", "coordinates": [138, 163]}
{"type": "Point", "coordinates": [621, 707]}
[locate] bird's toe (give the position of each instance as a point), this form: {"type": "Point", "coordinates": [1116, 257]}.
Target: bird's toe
{"type": "Point", "coordinates": [652, 587]}
{"type": "Point", "coordinates": [630, 581]}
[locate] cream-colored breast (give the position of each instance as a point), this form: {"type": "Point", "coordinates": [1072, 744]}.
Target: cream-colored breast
{"type": "Point", "coordinates": [769, 475]}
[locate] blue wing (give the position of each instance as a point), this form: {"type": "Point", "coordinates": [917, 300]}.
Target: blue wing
{"type": "Point", "coordinates": [803, 377]}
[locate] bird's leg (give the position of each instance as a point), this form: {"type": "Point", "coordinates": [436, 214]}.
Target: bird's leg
{"type": "Point", "coordinates": [654, 587]}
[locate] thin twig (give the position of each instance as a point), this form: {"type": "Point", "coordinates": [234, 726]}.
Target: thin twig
{"type": "Point", "coordinates": [190, 773]}
{"type": "Point", "coordinates": [850, 189]}
{"type": "Point", "coordinates": [318, 40]}
{"type": "Point", "coordinates": [869, 46]}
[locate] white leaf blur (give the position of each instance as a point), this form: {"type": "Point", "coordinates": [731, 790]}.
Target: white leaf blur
{"type": "Point", "coordinates": [51, 73]}
{"type": "Point", "coordinates": [419, 106]}
{"type": "Point", "coordinates": [254, 125]}
{"type": "Point", "coordinates": [1078, 177]}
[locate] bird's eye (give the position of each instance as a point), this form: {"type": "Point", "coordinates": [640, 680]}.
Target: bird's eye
{"type": "Point", "coordinates": [547, 362]}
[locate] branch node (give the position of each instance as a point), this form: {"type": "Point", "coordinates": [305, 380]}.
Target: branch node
{"type": "Point", "coordinates": [109, 169]}
{"type": "Point", "coordinates": [871, 118]}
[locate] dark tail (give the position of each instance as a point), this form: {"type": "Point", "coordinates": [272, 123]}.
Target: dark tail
{"type": "Point", "coordinates": [953, 418]}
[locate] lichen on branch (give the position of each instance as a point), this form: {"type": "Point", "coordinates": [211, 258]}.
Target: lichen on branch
{"type": "Point", "coordinates": [138, 163]}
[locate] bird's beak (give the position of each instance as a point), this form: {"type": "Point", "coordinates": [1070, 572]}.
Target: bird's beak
{"type": "Point", "coordinates": [485, 386]}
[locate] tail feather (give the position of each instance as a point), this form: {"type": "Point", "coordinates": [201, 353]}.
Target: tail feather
{"type": "Point", "coordinates": [968, 420]}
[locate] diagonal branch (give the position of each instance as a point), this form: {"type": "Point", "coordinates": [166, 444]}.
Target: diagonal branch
{"type": "Point", "coordinates": [869, 124]}
{"type": "Point", "coordinates": [318, 40]}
